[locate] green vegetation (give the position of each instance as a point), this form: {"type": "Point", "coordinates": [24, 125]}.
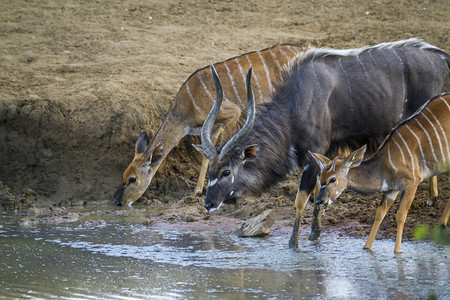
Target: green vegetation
{"type": "Point", "coordinates": [437, 234]}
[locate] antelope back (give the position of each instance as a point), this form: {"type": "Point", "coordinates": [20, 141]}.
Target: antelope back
{"type": "Point", "coordinates": [420, 144]}
{"type": "Point", "coordinates": [268, 66]}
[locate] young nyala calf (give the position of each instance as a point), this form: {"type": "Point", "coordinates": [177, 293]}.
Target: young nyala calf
{"type": "Point", "coordinates": [416, 149]}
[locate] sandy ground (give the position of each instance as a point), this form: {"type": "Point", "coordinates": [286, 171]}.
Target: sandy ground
{"type": "Point", "coordinates": [80, 80]}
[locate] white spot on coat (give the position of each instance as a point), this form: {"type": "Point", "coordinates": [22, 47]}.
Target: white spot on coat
{"type": "Point", "coordinates": [384, 186]}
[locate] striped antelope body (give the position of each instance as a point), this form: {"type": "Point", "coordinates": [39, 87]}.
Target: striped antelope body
{"type": "Point", "coordinates": [416, 149]}
{"type": "Point", "coordinates": [191, 106]}
{"type": "Point", "coordinates": [328, 99]}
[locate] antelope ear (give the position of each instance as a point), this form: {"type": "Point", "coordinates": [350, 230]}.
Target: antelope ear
{"type": "Point", "coordinates": [199, 148]}
{"type": "Point", "coordinates": [157, 154]}
{"type": "Point", "coordinates": [142, 143]}
{"type": "Point", "coordinates": [356, 157]}
{"type": "Point", "coordinates": [320, 159]}
{"type": "Point", "coordinates": [249, 153]}
{"type": "Point", "coordinates": [154, 155]}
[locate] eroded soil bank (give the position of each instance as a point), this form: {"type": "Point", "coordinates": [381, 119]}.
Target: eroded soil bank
{"type": "Point", "coordinates": [80, 80]}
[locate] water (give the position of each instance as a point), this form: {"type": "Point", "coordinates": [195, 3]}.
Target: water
{"type": "Point", "coordinates": [125, 260]}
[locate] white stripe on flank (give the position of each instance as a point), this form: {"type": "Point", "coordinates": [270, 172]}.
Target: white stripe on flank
{"type": "Point", "coordinates": [315, 76]}
{"type": "Point", "coordinates": [208, 92]}
{"type": "Point", "coordinates": [267, 70]}
{"type": "Point", "coordinates": [434, 67]}
{"type": "Point", "coordinates": [448, 106]}
{"type": "Point", "coordinates": [204, 86]}
{"type": "Point", "coordinates": [410, 155]}
{"type": "Point", "coordinates": [401, 151]}
{"type": "Point", "coordinates": [429, 139]}
{"type": "Point", "coordinates": [300, 81]}
{"type": "Point", "coordinates": [233, 83]}
{"type": "Point", "coordinates": [437, 135]}
{"type": "Point", "coordinates": [192, 99]}
{"type": "Point", "coordinates": [325, 66]}
{"type": "Point", "coordinates": [443, 131]}
{"type": "Point", "coordinates": [403, 72]}
{"type": "Point", "coordinates": [256, 79]}
{"type": "Point", "coordinates": [348, 85]}
{"type": "Point", "coordinates": [277, 62]}
{"type": "Point", "coordinates": [371, 57]}
{"type": "Point", "coordinates": [290, 49]}
{"type": "Point", "coordinates": [362, 65]}
{"type": "Point", "coordinates": [241, 70]}
{"type": "Point", "coordinates": [424, 161]}
{"type": "Point", "coordinates": [390, 159]}
{"type": "Point", "coordinates": [284, 53]}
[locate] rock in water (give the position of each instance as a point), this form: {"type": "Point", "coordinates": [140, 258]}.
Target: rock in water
{"type": "Point", "coordinates": [257, 226]}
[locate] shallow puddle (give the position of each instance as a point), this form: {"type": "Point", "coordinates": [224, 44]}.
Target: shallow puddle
{"type": "Point", "coordinates": [125, 260]}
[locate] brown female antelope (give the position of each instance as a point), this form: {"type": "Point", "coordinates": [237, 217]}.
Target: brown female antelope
{"type": "Point", "coordinates": [192, 103]}
{"type": "Point", "coordinates": [327, 99]}
{"type": "Point", "coordinates": [416, 149]}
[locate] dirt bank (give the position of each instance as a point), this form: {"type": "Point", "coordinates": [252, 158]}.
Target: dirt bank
{"type": "Point", "coordinates": [80, 80]}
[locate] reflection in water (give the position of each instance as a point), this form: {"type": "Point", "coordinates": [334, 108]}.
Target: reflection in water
{"type": "Point", "coordinates": [128, 261]}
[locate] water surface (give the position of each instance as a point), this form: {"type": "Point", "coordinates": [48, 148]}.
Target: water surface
{"type": "Point", "coordinates": [123, 259]}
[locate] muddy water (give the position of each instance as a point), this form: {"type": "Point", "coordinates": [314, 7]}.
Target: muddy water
{"type": "Point", "coordinates": [125, 260]}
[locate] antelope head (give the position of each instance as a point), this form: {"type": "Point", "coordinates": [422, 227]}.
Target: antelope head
{"type": "Point", "coordinates": [225, 171]}
{"type": "Point", "coordinates": [333, 174]}
{"type": "Point", "coordinates": [138, 175]}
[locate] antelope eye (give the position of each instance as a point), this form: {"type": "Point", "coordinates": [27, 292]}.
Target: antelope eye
{"type": "Point", "coordinates": [332, 179]}
{"type": "Point", "coordinates": [226, 173]}
{"type": "Point", "coordinates": [131, 180]}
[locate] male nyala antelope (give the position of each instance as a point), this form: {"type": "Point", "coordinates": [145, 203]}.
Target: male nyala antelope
{"type": "Point", "coordinates": [327, 99]}
{"type": "Point", "coordinates": [191, 106]}
{"type": "Point", "coordinates": [416, 149]}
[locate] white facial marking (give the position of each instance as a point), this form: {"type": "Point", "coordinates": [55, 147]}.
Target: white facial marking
{"type": "Point", "coordinates": [139, 182]}
{"type": "Point", "coordinates": [232, 192]}
{"type": "Point", "coordinates": [214, 209]}
{"type": "Point", "coordinates": [232, 179]}
{"type": "Point", "coordinates": [211, 183]}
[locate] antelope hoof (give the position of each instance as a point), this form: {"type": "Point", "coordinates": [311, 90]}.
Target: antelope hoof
{"type": "Point", "coordinates": [368, 248]}
{"type": "Point", "coordinates": [198, 193]}
{"type": "Point", "coordinates": [431, 202]}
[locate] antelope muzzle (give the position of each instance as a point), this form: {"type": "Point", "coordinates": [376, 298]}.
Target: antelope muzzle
{"type": "Point", "coordinates": [120, 195]}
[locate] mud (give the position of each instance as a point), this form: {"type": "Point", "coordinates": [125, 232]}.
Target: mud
{"type": "Point", "coordinates": [80, 80]}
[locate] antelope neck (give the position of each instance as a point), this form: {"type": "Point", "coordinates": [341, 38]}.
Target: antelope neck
{"type": "Point", "coordinates": [368, 177]}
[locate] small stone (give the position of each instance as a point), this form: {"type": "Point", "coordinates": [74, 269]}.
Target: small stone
{"type": "Point", "coordinates": [99, 222]}
{"type": "Point", "coordinates": [258, 226]}
{"type": "Point", "coordinates": [190, 219]}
